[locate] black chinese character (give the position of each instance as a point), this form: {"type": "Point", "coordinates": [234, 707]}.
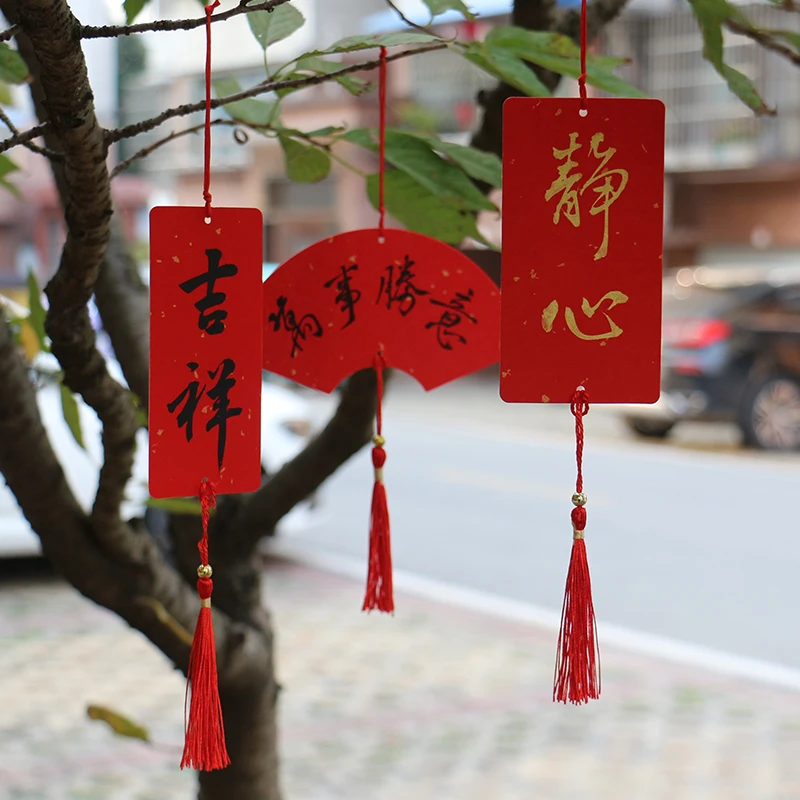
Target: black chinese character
{"type": "Point", "coordinates": [211, 322]}
{"type": "Point", "coordinates": [451, 317]}
{"type": "Point", "coordinates": [347, 296]}
{"type": "Point", "coordinates": [308, 325]}
{"type": "Point", "coordinates": [399, 289]}
{"type": "Point", "coordinates": [192, 394]}
{"type": "Point", "coordinates": [221, 406]}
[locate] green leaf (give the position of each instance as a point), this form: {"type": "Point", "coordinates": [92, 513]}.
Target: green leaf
{"type": "Point", "coordinates": [37, 312]}
{"type": "Point", "coordinates": [559, 54]}
{"type": "Point", "coordinates": [7, 166]}
{"type": "Point", "coordinates": [258, 113]}
{"type": "Point", "coordinates": [13, 68]}
{"type": "Point", "coordinates": [320, 66]}
{"type": "Point", "coordinates": [304, 163]}
{"type": "Point", "coordinates": [69, 407]}
{"type": "Point", "coordinates": [132, 9]}
{"type": "Point", "coordinates": [478, 164]}
{"type": "Point", "coordinates": [122, 726]}
{"type": "Point", "coordinates": [437, 7]}
{"type": "Point", "coordinates": [711, 15]}
{"type": "Point", "coordinates": [6, 96]}
{"type": "Point", "coordinates": [422, 211]}
{"type": "Point", "coordinates": [273, 26]}
{"type": "Point", "coordinates": [510, 68]}
{"type": "Point", "coordinates": [414, 156]}
{"type": "Point", "coordinates": [369, 41]}
{"type": "Point", "coordinates": [176, 505]}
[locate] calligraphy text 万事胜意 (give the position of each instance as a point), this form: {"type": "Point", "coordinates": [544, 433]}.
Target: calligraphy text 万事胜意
{"type": "Point", "coordinates": [448, 325]}
{"type": "Point", "coordinates": [397, 287]}
{"type": "Point", "coordinates": [347, 295]}
{"type": "Point", "coordinates": [300, 330]}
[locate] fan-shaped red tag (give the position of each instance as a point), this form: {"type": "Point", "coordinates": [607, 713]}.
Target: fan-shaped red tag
{"type": "Point", "coordinates": [426, 307]}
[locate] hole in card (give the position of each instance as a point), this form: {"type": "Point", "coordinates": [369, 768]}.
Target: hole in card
{"type": "Point", "coordinates": [207, 220]}
{"type": "Point", "coordinates": [584, 112]}
{"type": "Point", "coordinates": [381, 240]}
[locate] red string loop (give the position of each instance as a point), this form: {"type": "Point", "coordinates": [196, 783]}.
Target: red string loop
{"type": "Point", "coordinates": [208, 499]}
{"type": "Point", "coordinates": [584, 44]}
{"type": "Point", "coordinates": [209, 9]}
{"type": "Point", "coordinates": [382, 137]}
{"type": "Point", "coordinates": [579, 407]}
{"type": "Point", "coordinates": [379, 365]}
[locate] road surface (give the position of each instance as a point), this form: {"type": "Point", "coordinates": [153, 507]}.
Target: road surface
{"type": "Point", "coordinates": [693, 545]}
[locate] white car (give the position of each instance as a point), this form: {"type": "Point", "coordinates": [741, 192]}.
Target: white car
{"type": "Point", "coordinates": [286, 426]}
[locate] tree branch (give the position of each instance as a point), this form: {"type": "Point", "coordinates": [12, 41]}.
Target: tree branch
{"type": "Point", "coordinates": [151, 148]}
{"type": "Point", "coordinates": [765, 39]}
{"type": "Point", "coordinates": [405, 19]}
{"type": "Point", "coordinates": [50, 33]}
{"type": "Point", "coordinates": [598, 14]}
{"type": "Point", "coordinates": [22, 138]}
{"type": "Point", "coordinates": [34, 148]}
{"type": "Point", "coordinates": [111, 31]}
{"type": "Point", "coordinates": [136, 128]}
{"type": "Point", "coordinates": [10, 33]}
{"type": "Point", "coordinates": [349, 429]}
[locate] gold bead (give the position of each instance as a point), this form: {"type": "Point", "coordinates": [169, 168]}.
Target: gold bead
{"type": "Point", "coordinates": [378, 440]}
{"type": "Point", "coordinates": [204, 571]}
{"type": "Point", "coordinates": [579, 499]}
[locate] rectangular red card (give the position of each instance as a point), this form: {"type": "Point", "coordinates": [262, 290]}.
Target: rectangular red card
{"type": "Point", "coordinates": [583, 211]}
{"type": "Point", "coordinates": [205, 350]}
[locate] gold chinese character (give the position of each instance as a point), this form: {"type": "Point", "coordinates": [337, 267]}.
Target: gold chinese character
{"type": "Point", "coordinates": [614, 298]}
{"type": "Point", "coordinates": [565, 183]}
{"type": "Point", "coordinates": [607, 193]}
{"type": "Point", "coordinates": [608, 184]}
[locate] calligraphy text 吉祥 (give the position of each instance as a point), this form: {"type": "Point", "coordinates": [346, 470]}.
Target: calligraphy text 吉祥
{"type": "Point", "coordinates": [221, 406]}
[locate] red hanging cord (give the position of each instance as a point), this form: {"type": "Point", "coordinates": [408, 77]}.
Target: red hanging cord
{"type": "Point", "coordinates": [379, 593]}
{"type": "Point", "coordinates": [582, 78]}
{"type": "Point", "coordinates": [382, 136]}
{"type": "Point", "coordinates": [204, 746]}
{"type": "Point", "coordinates": [577, 673]}
{"type": "Point", "coordinates": [207, 144]}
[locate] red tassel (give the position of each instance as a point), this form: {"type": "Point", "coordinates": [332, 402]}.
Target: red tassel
{"type": "Point", "coordinates": [379, 592]}
{"type": "Point", "coordinates": [577, 675]}
{"type": "Point", "coordinates": [204, 747]}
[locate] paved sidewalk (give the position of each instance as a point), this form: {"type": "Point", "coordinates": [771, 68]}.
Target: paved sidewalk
{"type": "Point", "coordinates": [433, 704]}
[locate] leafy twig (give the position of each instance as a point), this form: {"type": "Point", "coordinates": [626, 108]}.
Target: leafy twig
{"type": "Point", "coordinates": [765, 38]}
{"type": "Point", "coordinates": [136, 128]}
{"type": "Point", "coordinates": [405, 19]}
{"type": "Point", "coordinates": [110, 31]}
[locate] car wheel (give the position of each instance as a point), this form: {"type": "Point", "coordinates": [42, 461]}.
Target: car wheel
{"type": "Point", "coordinates": [771, 413]}
{"type": "Point", "coordinates": [651, 428]}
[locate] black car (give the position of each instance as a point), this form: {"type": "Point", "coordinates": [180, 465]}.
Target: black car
{"type": "Point", "coordinates": [731, 352]}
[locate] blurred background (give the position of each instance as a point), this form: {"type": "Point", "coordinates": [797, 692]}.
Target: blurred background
{"type": "Point", "coordinates": [691, 533]}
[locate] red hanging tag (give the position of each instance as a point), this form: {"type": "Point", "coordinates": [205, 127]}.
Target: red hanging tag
{"type": "Point", "coordinates": [379, 594]}
{"type": "Point", "coordinates": [583, 188]}
{"type": "Point", "coordinates": [577, 676]}
{"type": "Point", "coordinates": [582, 240]}
{"type": "Point", "coordinates": [205, 394]}
{"type": "Point", "coordinates": [205, 352]}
